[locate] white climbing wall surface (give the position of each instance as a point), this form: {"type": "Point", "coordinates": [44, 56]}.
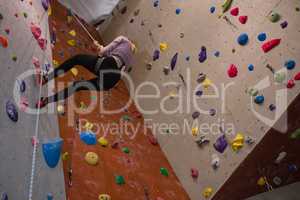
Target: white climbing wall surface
{"type": "Point", "coordinates": [17, 49]}
{"type": "Point", "coordinates": [187, 25]}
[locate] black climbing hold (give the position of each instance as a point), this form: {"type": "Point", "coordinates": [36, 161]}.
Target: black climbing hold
{"type": "Point", "coordinates": [156, 54]}
{"type": "Point", "coordinates": [174, 61]}
{"type": "Point", "coordinates": [131, 21]}
{"type": "Point", "coordinates": [22, 86]}
{"type": "Point", "coordinates": [11, 111]}
{"type": "Point", "coordinates": [195, 115]}
{"type": "Point", "coordinates": [124, 10]}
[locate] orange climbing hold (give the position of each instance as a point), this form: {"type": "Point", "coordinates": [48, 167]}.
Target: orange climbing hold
{"type": "Point", "coordinates": [3, 41]}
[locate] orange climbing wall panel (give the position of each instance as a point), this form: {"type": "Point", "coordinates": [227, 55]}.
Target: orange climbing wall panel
{"type": "Point", "coordinates": [140, 168]}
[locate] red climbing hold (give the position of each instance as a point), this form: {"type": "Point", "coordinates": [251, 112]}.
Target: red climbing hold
{"type": "Point", "coordinates": [290, 83]}
{"type": "Point", "coordinates": [3, 41]}
{"type": "Point", "coordinates": [243, 19]}
{"type": "Point", "coordinates": [36, 31]}
{"type": "Point", "coordinates": [234, 11]}
{"type": "Point", "coordinates": [297, 76]}
{"type": "Point", "coordinates": [232, 71]}
{"type": "Point", "coordinates": [42, 43]}
{"type": "Point", "coordinates": [194, 173]}
{"type": "Point", "coordinates": [267, 46]}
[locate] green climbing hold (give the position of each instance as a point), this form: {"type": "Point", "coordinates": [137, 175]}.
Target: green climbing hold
{"type": "Point", "coordinates": [274, 17]}
{"type": "Point", "coordinates": [120, 180]}
{"type": "Point", "coordinates": [279, 77]}
{"type": "Point", "coordinates": [295, 134]}
{"type": "Point", "coordinates": [126, 150]}
{"type": "Point", "coordinates": [126, 118]}
{"type": "Point", "coordinates": [164, 172]}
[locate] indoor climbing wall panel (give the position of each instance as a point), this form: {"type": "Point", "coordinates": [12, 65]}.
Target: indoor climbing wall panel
{"type": "Point", "coordinates": [18, 49]}
{"type": "Point", "coordinates": [239, 52]}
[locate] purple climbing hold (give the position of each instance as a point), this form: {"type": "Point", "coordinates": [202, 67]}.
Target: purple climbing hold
{"type": "Point", "coordinates": [212, 112]}
{"type": "Point", "coordinates": [284, 24]}
{"type": "Point", "coordinates": [45, 4]}
{"type": "Point", "coordinates": [221, 144]}
{"type": "Point", "coordinates": [202, 54]}
{"type": "Point", "coordinates": [11, 111]}
{"type": "Point", "coordinates": [195, 115]}
{"type": "Point", "coordinates": [272, 107]}
{"type": "Point", "coordinates": [199, 93]}
{"type": "Point", "coordinates": [178, 11]}
{"type": "Point", "coordinates": [4, 196]}
{"type": "Point", "coordinates": [156, 54]}
{"type": "Point", "coordinates": [174, 61]}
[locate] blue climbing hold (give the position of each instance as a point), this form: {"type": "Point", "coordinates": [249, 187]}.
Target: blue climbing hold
{"type": "Point", "coordinates": [88, 138]}
{"type": "Point", "coordinates": [259, 99]}
{"type": "Point", "coordinates": [290, 64]}
{"type": "Point", "coordinates": [262, 37]}
{"type": "Point", "coordinates": [212, 9]}
{"type": "Point", "coordinates": [250, 67]}
{"type": "Point", "coordinates": [243, 39]}
{"type": "Point", "coordinates": [174, 61]}
{"type": "Point", "coordinates": [11, 111]}
{"type": "Point", "coordinates": [49, 196]}
{"type": "Point", "coordinates": [51, 151]}
{"type": "Point", "coordinates": [178, 11]}
{"type": "Point", "coordinates": [4, 196]}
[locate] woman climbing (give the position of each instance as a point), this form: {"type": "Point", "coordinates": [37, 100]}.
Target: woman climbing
{"type": "Point", "coordinates": [107, 66]}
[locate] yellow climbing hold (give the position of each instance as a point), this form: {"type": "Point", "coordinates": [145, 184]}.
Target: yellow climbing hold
{"type": "Point", "coordinates": [65, 156]}
{"type": "Point", "coordinates": [195, 131]}
{"type": "Point", "coordinates": [103, 142]}
{"type": "Point", "coordinates": [163, 46]}
{"type": "Point", "coordinates": [91, 158]}
{"type": "Point", "coordinates": [55, 63]}
{"type": "Point", "coordinates": [206, 83]}
{"type": "Point", "coordinates": [71, 42]}
{"type": "Point", "coordinates": [104, 197]}
{"type": "Point", "coordinates": [74, 71]}
{"type": "Point", "coordinates": [238, 142]}
{"type": "Point", "coordinates": [261, 181]}
{"type": "Point", "coordinates": [72, 33]}
{"type": "Point", "coordinates": [207, 192]}
{"type": "Point", "coordinates": [88, 126]}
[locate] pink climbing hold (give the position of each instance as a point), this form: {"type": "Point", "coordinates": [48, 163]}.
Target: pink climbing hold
{"type": "Point", "coordinates": [42, 43]}
{"type": "Point", "coordinates": [243, 19]}
{"type": "Point", "coordinates": [234, 11]}
{"type": "Point", "coordinates": [232, 71]}
{"type": "Point", "coordinates": [194, 173]}
{"type": "Point", "coordinates": [290, 83]}
{"type": "Point", "coordinates": [36, 31]}
{"type": "Point", "coordinates": [297, 76]}
{"type": "Point", "coordinates": [268, 46]}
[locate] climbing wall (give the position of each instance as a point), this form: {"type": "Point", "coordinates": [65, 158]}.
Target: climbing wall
{"type": "Point", "coordinates": [130, 163]}
{"type": "Point", "coordinates": [229, 49]}
{"type": "Point", "coordinates": [21, 173]}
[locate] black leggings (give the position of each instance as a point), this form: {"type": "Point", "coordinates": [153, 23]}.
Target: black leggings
{"type": "Point", "coordinates": [88, 62]}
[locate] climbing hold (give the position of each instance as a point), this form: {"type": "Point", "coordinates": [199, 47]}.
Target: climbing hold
{"type": "Point", "coordinates": [11, 111]}
{"type": "Point", "coordinates": [104, 197]}
{"type": "Point", "coordinates": [234, 11]}
{"type": "Point", "coordinates": [178, 11]}
{"type": "Point", "coordinates": [166, 70]}
{"type": "Point", "coordinates": [174, 61]}
{"type": "Point", "coordinates": [295, 134]}
{"type": "Point", "coordinates": [202, 54]}
{"type": "Point", "coordinates": [206, 83]}
{"type": "Point", "coordinates": [277, 181]}
{"type": "Point", "coordinates": [126, 118]}
{"type": "Point", "coordinates": [181, 35]}
{"type": "Point", "coordinates": [249, 140]}
{"type": "Point", "coordinates": [103, 142]}
{"type": "Point", "coordinates": [25, 14]}
{"type": "Point", "coordinates": [195, 131]}
{"type": "Point", "coordinates": [49, 196]}
{"type": "Point", "coordinates": [194, 173]}
{"type": "Point", "coordinates": [152, 140]}
{"type": "Point", "coordinates": [269, 45]}
{"type": "Point", "coordinates": [65, 156]}
{"type": "Point", "coordinates": [262, 37]}
{"type": "Point", "coordinates": [272, 107]}
{"type": "Point", "coordinates": [164, 171]}
{"type": "Point", "coordinates": [274, 17]}
{"type": "Point", "coordinates": [72, 33]}
{"type": "Point", "coordinates": [126, 150]}
{"type": "Point", "coordinates": [215, 161]}
{"type": "Point", "coordinates": [195, 115]}
{"type": "Point", "coordinates": [201, 77]}
{"type": "Point", "coordinates": [36, 31]}
{"type": "Point", "coordinates": [72, 43]}
{"type": "Point", "coordinates": [156, 54]}
{"type": "Point", "coordinates": [1, 17]}
{"type": "Point", "coordinates": [238, 142]}
{"type": "Point", "coordinates": [221, 144]}
{"type": "Point", "coordinates": [243, 39]}
{"type": "Point", "coordinates": [60, 109]}
{"type": "Point", "coordinates": [42, 43]}
{"type": "Point", "coordinates": [243, 19]}
{"type": "Point", "coordinates": [226, 5]}
{"type": "Point", "coordinates": [207, 192]}
{"type": "Point", "coordinates": [199, 93]}
{"type": "Point", "coordinates": [261, 181]}
{"type": "Point", "coordinates": [91, 158]}
{"type": "Point", "coordinates": [280, 157]}
{"type": "Point", "coordinates": [279, 77]}
{"type": "Point", "coordinates": [292, 168]}
{"type": "Point", "coordinates": [290, 64]}
{"type": "Point", "coordinates": [119, 180]}
{"type": "Point", "coordinates": [4, 196]}
{"type": "Point", "coordinates": [252, 92]}
{"type": "Point", "coordinates": [52, 151]}
{"type": "Point", "coordinates": [163, 46]}
{"type": "Point", "coordinates": [297, 76]}
{"type": "Point", "coordinates": [202, 140]}
{"type": "Point", "coordinates": [74, 71]}
{"type": "Point", "coordinates": [14, 58]}
{"type": "Point", "coordinates": [212, 112]}
{"type": "Point", "coordinates": [217, 53]}
{"type": "Point", "coordinates": [284, 24]}
{"type": "Point", "coordinates": [232, 71]}
{"type": "Point", "coordinates": [3, 41]}
{"type": "Point", "coordinates": [259, 99]}
{"type": "Point", "coordinates": [250, 67]}
{"type": "Point", "coordinates": [156, 3]}
{"type": "Point", "coordinates": [45, 4]}
{"type": "Point", "coordinates": [88, 138]}
{"type": "Point", "coordinates": [290, 83]}
{"type": "Point", "coordinates": [22, 86]}
{"type": "Point", "coordinates": [212, 9]}
{"type": "Point", "coordinates": [34, 141]}
{"type": "Point", "coordinates": [7, 31]}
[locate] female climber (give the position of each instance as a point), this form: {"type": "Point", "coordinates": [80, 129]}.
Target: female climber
{"type": "Point", "coordinates": [107, 66]}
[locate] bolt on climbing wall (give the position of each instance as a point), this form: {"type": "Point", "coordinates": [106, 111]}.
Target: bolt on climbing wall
{"type": "Point", "coordinates": [234, 62]}
{"type": "Point", "coordinates": [24, 46]}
